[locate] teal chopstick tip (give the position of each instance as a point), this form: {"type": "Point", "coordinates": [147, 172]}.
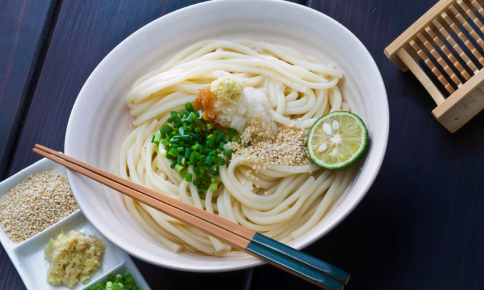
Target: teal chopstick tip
{"type": "Point", "coordinates": [294, 267]}
{"type": "Point", "coordinates": [302, 257]}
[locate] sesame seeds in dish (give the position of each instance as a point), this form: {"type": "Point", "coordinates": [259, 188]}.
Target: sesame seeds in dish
{"type": "Point", "coordinates": [223, 126]}
{"type": "Point", "coordinates": [32, 206]}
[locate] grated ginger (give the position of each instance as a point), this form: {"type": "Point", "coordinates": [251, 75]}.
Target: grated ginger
{"type": "Point", "coordinates": [227, 89]}
{"type": "Point", "coordinates": [73, 257]}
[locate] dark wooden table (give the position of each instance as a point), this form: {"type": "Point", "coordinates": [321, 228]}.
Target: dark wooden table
{"type": "Point", "coordinates": [421, 226]}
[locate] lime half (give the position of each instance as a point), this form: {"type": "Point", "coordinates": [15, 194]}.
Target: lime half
{"type": "Point", "coordinates": [337, 140]}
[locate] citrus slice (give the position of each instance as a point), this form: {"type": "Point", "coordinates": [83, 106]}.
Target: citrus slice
{"type": "Point", "coordinates": [337, 140]}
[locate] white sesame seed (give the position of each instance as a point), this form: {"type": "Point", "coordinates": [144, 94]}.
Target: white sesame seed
{"type": "Point", "coordinates": [28, 208]}
{"type": "Point", "coordinates": [285, 148]}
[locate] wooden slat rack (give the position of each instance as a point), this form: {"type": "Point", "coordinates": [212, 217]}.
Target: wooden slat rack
{"type": "Point", "coordinates": [444, 49]}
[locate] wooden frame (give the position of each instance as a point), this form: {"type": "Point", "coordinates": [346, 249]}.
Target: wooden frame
{"type": "Point", "coordinates": [445, 41]}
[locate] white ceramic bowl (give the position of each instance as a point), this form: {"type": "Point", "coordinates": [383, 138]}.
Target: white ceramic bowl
{"type": "Point", "coordinates": [100, 121]}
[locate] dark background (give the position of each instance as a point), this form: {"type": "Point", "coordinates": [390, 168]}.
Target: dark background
{"type": "Point", "coordinates": [421, 226]}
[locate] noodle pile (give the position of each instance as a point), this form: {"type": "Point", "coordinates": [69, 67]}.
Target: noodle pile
{"type": "Point", "coordinates": [282, 202]}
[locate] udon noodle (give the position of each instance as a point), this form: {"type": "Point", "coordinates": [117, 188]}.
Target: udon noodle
{"type": "Point", "coordinates": [283, 202]}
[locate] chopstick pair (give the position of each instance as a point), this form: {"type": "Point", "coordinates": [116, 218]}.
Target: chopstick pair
{"type": "Point", "coordinates": [284, 257]}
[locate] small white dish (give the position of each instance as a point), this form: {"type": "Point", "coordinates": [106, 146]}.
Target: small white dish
{"type": "Point", "coordinates": [100, 120]}
{"type": "Point", "coordinates": [28, 256]}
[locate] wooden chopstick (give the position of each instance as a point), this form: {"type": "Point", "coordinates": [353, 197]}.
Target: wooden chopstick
{"type": "Point", "coordinates": [301, 257]}
{"type": "Point", "coordinates": [298, 263]}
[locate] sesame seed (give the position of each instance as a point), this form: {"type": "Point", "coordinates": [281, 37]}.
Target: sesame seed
{"type": "Point", "coordinates": [287, 147]}
{"type": "Point", "coordinates": [38, 202]}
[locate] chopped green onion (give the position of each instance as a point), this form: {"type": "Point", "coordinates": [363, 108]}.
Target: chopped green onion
{"type": "Point", "coordinates": [220, 161]}
{"type": "Point", "coordinates": [173, 152]}
{"type": "Point", "coordinates": [204, 177]}
{"type": "Point", "coordinates": [208, 160]}
{"type": "Point", "coordinates": [167, 128]}
{"type": "Point", "coordinates": [188, 177]}
{"type": "Point", "coordinates": [188, 151]}
{"type": "Point", "coordinates": [213, 187]}
{"type": "Point", "coordinates": [188, 140]}
{"type": "Point", "coordinates": [173, 164]}
{"type": "Point", "coordinates": [189, 107]}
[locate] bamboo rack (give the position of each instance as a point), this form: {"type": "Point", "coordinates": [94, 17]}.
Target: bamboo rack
{"type": "Point", "coordinates": [446, 44]}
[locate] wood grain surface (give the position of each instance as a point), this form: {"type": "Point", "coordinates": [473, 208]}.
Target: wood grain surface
{"type": "Point", "coordinates": [421, 226]}
{"type": "Point", "coordinates": [24, 31]}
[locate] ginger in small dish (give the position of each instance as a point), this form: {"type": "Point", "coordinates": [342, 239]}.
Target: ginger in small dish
{"type": "Point", "coordinates": [73, 257]}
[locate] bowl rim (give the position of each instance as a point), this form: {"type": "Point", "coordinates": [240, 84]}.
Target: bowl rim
{"type": "Point", "coordinates": [377, 163]}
